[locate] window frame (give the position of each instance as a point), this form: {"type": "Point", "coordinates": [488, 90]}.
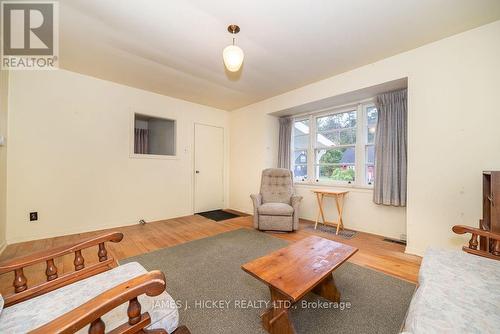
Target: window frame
{"type": "Point", "coordinates": [133, 155]}
{"type": "Point", "coordinates": [360, 146]}
{"type": "Point", "coordinates": [317, 166]}
{"type": "Point", "coordinates": [366, 144]}
{"type": "Point", "coordinates": [307, 149]}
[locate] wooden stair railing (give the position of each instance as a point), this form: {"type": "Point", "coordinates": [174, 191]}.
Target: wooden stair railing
{"type": "Point", "coordinates": [54, 281]}
{"type": "Point", "coordinates": [493, 239]}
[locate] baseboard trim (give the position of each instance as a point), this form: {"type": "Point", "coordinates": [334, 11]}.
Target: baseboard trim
{"type": "Point", "coordinates": [3, 245]}
{"type": "Point", "coordinates": [91, 228]}
{"type": "Point", "coordinates": [243, 211]}
{"type": "Point", "coordinates": [411, 251]}
{"type": "Point", "coordinates": [238, 212]}
{"type": "Point", "coordinates": [312, 221]}
{"type": "Point", "coordinates": [67, 232]}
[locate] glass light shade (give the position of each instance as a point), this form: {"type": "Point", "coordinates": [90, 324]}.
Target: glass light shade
{"type": "Point", "coordinates": [233, 57]}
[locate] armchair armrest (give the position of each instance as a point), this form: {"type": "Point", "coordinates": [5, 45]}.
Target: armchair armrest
{"type": "Point", "coordinates": [257, 201]}
{"type": "Point", "coordinates": [24, 292]}
{"type": "Point", "coordinates": [295, 201]}
{"type": "Point", "coordinates": [151, 284]}
{"type": "Point", "coordinates": [473, 243]}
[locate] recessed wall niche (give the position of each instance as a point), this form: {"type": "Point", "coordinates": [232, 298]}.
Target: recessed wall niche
{"type": "Point", "coordinates": [154, 135]}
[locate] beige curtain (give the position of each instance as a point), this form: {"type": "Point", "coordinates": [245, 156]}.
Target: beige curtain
{"type": "Point", "coordinates": [141, 143]}
{"type": "Point", "coordinates": [391, 149]}
{"type": "Point", "coordinates": [285, 138]}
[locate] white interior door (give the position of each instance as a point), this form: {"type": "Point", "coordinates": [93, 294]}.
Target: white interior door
{"type": "Point", "coordinates": [208, 168]}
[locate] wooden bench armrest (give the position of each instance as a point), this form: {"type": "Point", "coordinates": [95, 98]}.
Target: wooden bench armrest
{"type": "Point", "coordinates": [473, 242]}
{"type": "Point", "coordinates": [462, 229]}
{"type": "Point", "coordinates": [42, 256]}
{"type": "Point", "coordinates": [151, 284]}
{"type": "Point", "coordinates": [21, 290]}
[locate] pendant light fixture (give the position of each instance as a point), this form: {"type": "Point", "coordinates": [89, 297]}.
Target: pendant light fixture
{"type": "Point", "coordinates": [232, 54]}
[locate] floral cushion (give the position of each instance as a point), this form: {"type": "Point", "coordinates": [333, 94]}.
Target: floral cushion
{"type": "Point", "coordinates": [457, 293]}
{"type": "Point", "coordinates": [33, 313]}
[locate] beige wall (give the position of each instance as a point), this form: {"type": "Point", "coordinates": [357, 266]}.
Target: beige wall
{"type": "Point", "coordinates": [452, 128]}
{"type": "Point", "coordinates": [69, 155]}
{"type": "Point", "coordinates": [360, 213]}
{"type": "Point", "coordinates": [254, 144]}
{"type": "Point", "coordinates": [4, 80]}
{"type": "Point", "coordinates": [69, 146]}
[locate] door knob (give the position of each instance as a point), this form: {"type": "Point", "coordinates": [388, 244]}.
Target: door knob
{"type": "Point", "coordinates": [197, 172]}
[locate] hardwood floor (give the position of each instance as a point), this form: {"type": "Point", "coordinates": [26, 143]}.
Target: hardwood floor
{"type": "Point", "coordinates": [373, 252]}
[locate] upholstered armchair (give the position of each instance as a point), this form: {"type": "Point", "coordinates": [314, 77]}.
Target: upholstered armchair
{"type": "Point", "coordinates": [276, 207]}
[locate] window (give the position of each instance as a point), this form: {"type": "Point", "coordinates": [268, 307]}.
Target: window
{"type": "Point", "coordinates": [337, 146]}
{"type": "Point", "coordinates": [301, 147]}
{"type": "Point", "coordinates": [154, 136]}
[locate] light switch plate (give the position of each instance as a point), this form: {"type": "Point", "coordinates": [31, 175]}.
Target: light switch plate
{"type": "Point", "coordinates": [2, 140]}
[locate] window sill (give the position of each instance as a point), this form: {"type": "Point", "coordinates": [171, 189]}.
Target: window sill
{"type": "Point", "coordinates": [306, 184]}
{"type": "Point", "coordinates": [153, 156]}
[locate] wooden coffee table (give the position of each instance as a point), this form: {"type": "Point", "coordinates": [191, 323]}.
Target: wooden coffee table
{"type": "Point", "coordinates": [293, 271]}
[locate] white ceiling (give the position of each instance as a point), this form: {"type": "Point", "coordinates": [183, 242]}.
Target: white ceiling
{"type": "Point", "coordinates": [175, 47]}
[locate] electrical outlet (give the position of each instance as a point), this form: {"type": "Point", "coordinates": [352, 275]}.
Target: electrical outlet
{"type": "Point", "coordinates": [33, 216]}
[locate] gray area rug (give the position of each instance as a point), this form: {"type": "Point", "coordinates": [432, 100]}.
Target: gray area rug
{"type": "Point", "coordinates": [346, 234]}
{"type": "Point", "coordinates": [218, 297]}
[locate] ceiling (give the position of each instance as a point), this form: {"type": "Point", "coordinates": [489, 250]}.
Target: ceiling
{"type": "Point", "coordinates": [175, 47]}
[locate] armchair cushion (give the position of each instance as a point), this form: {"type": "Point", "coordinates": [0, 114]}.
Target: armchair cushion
{"type": "Point", "coordinates": [275, 209]}
{"type": "Point", "coordinates": [26, 316]}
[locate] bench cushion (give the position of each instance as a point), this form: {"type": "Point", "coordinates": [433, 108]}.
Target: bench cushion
{"type": "Point", "coordinates": [33, 313]}
{"type": "Point", "coordinates": [457, 293]}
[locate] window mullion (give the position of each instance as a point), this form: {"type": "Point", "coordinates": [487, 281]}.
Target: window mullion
{"type": "Point", "coordinates": [360, 147]}
{"type": "Point", "coordinates": [311, 154]}
{"type": "Point", "coordinates": [292, 149]}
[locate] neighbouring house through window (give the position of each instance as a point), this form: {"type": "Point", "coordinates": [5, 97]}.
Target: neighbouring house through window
{"type": "Point", "coordinates": [335, 146]}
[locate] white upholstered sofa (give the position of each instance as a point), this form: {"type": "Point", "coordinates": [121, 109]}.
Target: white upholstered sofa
{"type": "Point", "coordinates": [458, 292]}
{"type": "Point", "coordinates": [126, 298]}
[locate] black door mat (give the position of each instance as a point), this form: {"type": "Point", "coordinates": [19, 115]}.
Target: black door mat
{"type": "Point", "coordinates": [217, 215]}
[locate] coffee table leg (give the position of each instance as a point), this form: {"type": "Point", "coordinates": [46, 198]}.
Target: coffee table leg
{"type": "Point", "coordinates": [327, 289]}
{"type": "Point", "coordinates": [276, 320]}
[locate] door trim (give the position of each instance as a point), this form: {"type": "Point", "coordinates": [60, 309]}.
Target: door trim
{"type": "Point", "coordinates": [193, 169]}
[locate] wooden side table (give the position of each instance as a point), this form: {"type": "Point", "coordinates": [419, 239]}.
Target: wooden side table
{"type": "Point", "coordinates": [339, 201]}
